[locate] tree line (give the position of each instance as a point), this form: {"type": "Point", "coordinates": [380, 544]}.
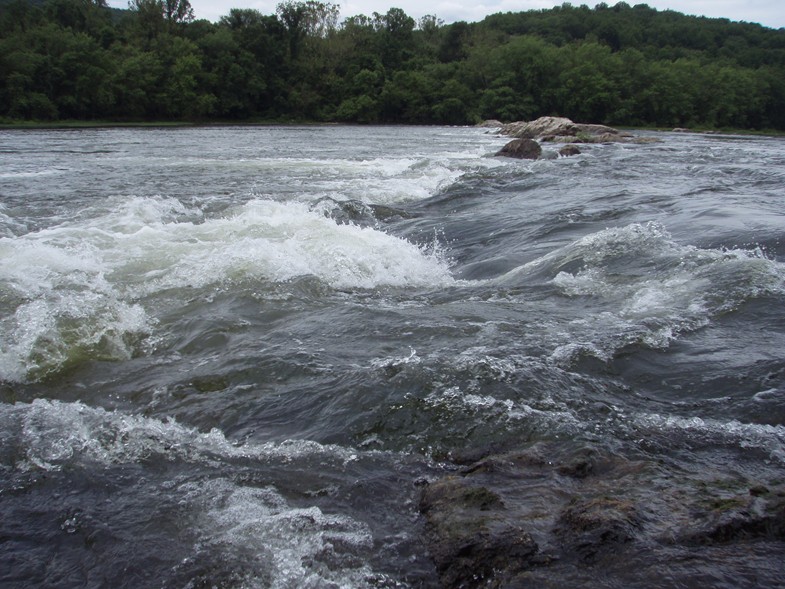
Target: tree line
{"type": "Point", "coordinates": [622, 65]}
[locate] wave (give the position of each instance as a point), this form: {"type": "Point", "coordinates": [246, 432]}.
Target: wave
{"type": "Point", "coordinates": [79, 289]}
{"type": "Point", "coordinates": [695, 432]}
{"type": "Point", "coordinates": [9, 227]}
{"type": "Point", "coordinates": [56, 435]}
{"type": "Point", "coordinates": [245, 533]}
{"type": "Point", "coordinates": [645, 287]}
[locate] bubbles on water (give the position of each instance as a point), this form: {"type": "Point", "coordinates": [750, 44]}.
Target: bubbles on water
{"type": "Point", "coordinates": [698, 432]}
{"type": "Point", "coordinates": [51, 435]}
{"type": "Point", "coordinates": [241, 529]}
{"type": "Point", "coordinates": [268, 543]}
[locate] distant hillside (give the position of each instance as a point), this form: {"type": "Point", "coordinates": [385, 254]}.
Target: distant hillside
{"type": "Point", "coordinates": [662, 34]}
{"type": "Point", "coordinates": [622, 65]}
{"type": "Point", "coordinates": [116, 13]}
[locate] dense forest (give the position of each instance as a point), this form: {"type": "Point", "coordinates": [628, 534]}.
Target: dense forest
{"type": "Point", "coordinates": [621, 65]}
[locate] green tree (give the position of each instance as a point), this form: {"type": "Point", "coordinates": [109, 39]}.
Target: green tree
{"type": "Point", "coordinates": [396, 37]}
{"type": "Point", "coordinates": [137, 82]}
{"type": "Point", "coordinates": [454, 45]}
{"type": "Point", "coordinates": [51, 72]}
{"type": "Point", "coordinates": [589, 83]}
{"type": "Point", "coordinates": [155, 17]}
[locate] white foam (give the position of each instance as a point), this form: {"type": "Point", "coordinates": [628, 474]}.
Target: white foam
{"type": "Point", "coordinates": [265, 240]}
{"type": "Point", "coordinates": [398, 362]}
{"type": "Point", "coordinates": [11, 175]}
{"type": "Point", "coordinates": [287, 547]}
{"type": "Point", "coordinates": [276, 242]}
{"type": "Point", "coordinates": [502, 412]}
{"type": "Point", "coordinates": [291, 546]}
{"type": "Point", "coordinates": [376, 180]}
{"type": "Point", "coordinates": [97, 272]}
{"type": "Point", "coordinates": [652, 287]}
{"type": "Point", "coordinates": [60, 306]}
{"type": "Point", "coordinates": [50, 435]}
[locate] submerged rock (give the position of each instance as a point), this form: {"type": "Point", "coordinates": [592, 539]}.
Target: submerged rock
{"type": "Point", "coordinates": [525, 149]}
{"type": "Point", "coordinates": [471, 537]}
{"type": "Point", "coordinates": [569, 150]}
{"type": "Point", "coordinates": [589, 526]}
{"type": "Point", "coordinates": [559, 514]}
{"type": "Point", "coordinates": [757, 516]}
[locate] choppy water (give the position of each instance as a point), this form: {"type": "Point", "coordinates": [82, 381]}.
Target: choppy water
{"type": "Point", "coordinates": [232, 357]}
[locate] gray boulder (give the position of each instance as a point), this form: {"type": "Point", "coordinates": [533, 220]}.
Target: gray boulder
{"type": "Point", "coordinates": [563, 130]}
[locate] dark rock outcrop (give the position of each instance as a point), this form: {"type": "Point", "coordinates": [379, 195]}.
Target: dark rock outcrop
{"type": "Point", "coordinates": [526, 149]}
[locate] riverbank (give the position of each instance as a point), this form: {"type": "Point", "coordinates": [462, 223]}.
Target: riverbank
{"type": "Point", "coordinates": [78, 124]}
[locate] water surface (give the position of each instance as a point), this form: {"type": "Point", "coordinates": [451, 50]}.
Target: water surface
{"type": "Point", "coordinates": [233, 356]}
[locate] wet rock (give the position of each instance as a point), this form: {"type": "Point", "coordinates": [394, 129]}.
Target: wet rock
{"type": "Point", "coordinates": [471, 536]}
{"type": "Point", "coordinates": [588, 526]}
{"type": "Point", "coordinates": [569, 150]}
{"type": "Point", "coordinates": [527, 149]}
{"type": "Point", "coordinates": [558, 514]}
{"type": "Point", "coordinates": [741, 518]}
{"type": "Point", "coordinates": [357, 212]}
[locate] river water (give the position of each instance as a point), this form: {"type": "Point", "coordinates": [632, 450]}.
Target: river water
{"type": "Point", "coordinates": [235, 356]}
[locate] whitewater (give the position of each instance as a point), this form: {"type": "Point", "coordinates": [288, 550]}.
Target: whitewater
{"type": "Point", "coordinates": [278, 356]}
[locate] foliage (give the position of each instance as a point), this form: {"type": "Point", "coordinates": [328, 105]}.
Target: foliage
{"type": "Point", "coordinates": [621, 65]}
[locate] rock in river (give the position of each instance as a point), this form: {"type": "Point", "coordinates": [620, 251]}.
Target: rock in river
{"type": "Point", "coordinates": [569, 150]}
{"type": "Point", "coordinates": [471, 536]}
{"type": "Point", "coordinates": [526, 149]}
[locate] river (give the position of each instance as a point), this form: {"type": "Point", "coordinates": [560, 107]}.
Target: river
{"type": "Point", "coordinates": [238, 357]}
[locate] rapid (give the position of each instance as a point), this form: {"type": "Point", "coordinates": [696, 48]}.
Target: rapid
{"type": "Point", "coordinates": [240, 357]}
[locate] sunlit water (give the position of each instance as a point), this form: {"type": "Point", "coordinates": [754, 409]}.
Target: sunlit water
{"type": "Point", "coordinates": [231, 357]}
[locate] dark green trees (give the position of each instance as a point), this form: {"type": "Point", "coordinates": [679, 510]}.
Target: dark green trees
{"type": "Point", "coordinates": [620, 65]}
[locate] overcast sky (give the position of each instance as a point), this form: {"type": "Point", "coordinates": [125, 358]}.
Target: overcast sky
{"type": "Point", "coordinates": [770, 13]}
